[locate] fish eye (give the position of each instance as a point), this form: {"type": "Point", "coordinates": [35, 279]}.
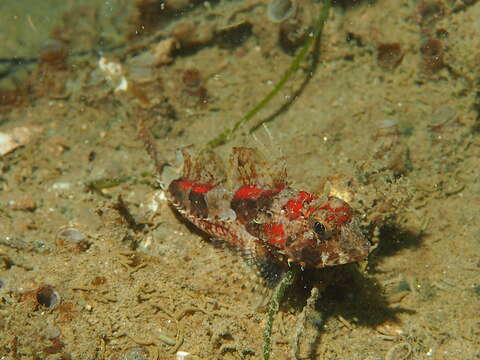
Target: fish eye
{"type": "Point", "coordinates": [319, 228]}
{"type": "Point", "coordinates": [323, 234]}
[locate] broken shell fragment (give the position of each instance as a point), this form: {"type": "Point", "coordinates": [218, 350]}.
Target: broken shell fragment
{"type": "Point", "coordinates": [17, 137]}
{"type": "Point", "coordinates": [162, 52]}
{"type": "Point", "coordinates": [48, 297]}
{"type": "Point", "coordinates": [280, 10]}
{"type": "Point", "coordinates": [71, 234]}
{"type": "Point", "coordinates": [141, 68]}
{"type": "Point", "coordinates": [190, 34]}
{"type": "Point", "coordinates": [113, 72]}
{"type": "Point", "coordinates": [159, 54]}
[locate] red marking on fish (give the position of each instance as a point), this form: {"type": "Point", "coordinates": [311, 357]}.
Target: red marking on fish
{"type": "Point", "coordinates": [306, 197]}
{"type": "Point", "coordinates": [248, 192]}
{"type": "Point", "coordinates": [296, 207]}
{"type": "Point", "coordinates": [202, 188]}
{"type": "Point", "coordinates": [185, 184]}
{"type": "Point", "coordinates": [276, 234]}
{"type": "Point", "coordinates": [340, 212]}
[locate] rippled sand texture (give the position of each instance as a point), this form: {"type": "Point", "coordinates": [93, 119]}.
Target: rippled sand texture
{"type": "Point", "coordinates": [95, 265]}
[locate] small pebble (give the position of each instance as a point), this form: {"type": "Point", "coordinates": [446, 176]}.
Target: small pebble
{"type": "Point", "coordinates": [389, 55]}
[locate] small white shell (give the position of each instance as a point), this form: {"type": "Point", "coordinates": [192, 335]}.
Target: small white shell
{"type": "Point", "coordinates": [280, 10]}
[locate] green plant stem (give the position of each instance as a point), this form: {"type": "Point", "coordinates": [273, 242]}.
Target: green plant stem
{"type": "Point", "coordinates": [277, 298]}
{"type": "Point", "coordinates": [226, 135]}
{"type": "Point", "coordinates": [106, 183]}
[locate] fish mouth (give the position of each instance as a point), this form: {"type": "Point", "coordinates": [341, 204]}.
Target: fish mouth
{"type": "Point", "coordinates": [359, 254]}
{"type": "Point", "coordinates": [343, 256]}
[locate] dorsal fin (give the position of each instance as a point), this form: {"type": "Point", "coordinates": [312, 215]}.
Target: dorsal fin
{"type": "Point", "coordinates": [249, 166]}
{"type": "Point", "coordinates": [204, 167]}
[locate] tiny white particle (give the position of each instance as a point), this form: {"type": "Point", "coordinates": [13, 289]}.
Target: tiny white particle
{"type": "Point", "coordinates": [61, 186]}
{"type": "Point", "coordinates": [325, 257]}
{"type": "Point", "coordinates": [102, 64]}
{"type": "Point", "coordinates": [182, 355]}
{"type": "Point", "coordinates": [161, 196]}
{"type": "Point", "coordinates": [123, 86]}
